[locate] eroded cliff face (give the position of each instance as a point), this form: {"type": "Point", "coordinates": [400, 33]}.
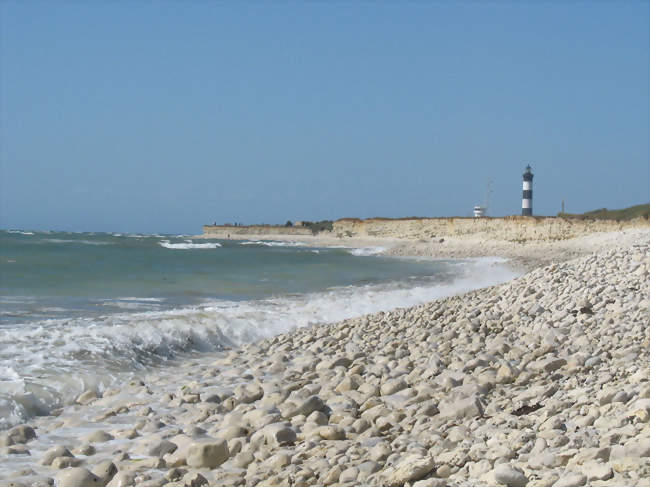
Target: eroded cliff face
{"type": "Point", "coordinates": [513, 229]}
{"type": "Point", "coordinates": [223, 231]}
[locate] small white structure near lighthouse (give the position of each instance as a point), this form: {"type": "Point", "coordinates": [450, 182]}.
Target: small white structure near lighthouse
{"type": "Point", "coordinates": [527, 197]}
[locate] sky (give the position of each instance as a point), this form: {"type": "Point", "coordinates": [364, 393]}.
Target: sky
{"type": "Point", "coordinates": [143, 116]}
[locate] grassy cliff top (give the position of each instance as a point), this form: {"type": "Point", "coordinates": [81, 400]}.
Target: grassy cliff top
{"type": "Point", "coordinates": [638, 211]}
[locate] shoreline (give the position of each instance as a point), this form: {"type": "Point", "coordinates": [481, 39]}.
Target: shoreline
{"type": "Point", "coordinates": [525, 256]}
{"type": "Point", "coordinates": [392, 397]}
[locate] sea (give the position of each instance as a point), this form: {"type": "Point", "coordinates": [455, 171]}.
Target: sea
{"type": "Point", "coordinates": [83, 311]}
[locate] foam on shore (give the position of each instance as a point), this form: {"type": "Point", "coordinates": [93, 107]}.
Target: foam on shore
{"type": "Point", "coordinates": [109, 349]}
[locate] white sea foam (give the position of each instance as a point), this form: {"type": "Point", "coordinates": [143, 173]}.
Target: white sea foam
{"type": "Point", "coordinates": [274, 243]}
{"type": "Point", "coordinates": [366, 251]}
{"type": "Point", "coordinates": [17, 300]}
{"type": "Point", "coordinates": [146, 300]}
{"type": "Point", "coordinates": [133, 303]}
{"type": "Point", "coordinates": [57, 359]}
{"type": "Point", "coordinates": [53, 309]}
{"type": "Point", "coordinates": [85, 242]}
{"type": "Point", "coordinates": [189, 245]}
{"type": "Point", "coordinates": [20, 232]}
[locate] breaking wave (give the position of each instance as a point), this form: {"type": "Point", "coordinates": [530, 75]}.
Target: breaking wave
{"type": "Point", "coordinates": [273, 243]}
{"type": "Point", "coordinates": [189, 245]}
{"type": "Point", "coordinates": [60, 358]}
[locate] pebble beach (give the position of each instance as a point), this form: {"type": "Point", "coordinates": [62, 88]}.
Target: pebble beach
{"type": "Point", "coordinates": [541, 381]}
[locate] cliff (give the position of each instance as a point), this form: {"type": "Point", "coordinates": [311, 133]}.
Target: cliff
{"type": "Point", "coordinates": [512, 228]}
{"type": "Point", "coordinates": [226, 231]}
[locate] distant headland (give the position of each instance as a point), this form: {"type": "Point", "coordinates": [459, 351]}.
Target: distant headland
{"type": "Point", "coordinates": [509, 228]}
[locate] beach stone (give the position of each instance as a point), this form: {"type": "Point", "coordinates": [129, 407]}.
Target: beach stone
{"type": "Point", "coordinates": [175, 474]}
{"type": "Point", "coordinates": [17, 450]}
{"type": "Point", "coordinates": [194, 479]}
{"type": "Point", "coordinates": [392, 386]}
{"type": "Point", "coordinates": [123, 479]}
{"type": "Point", "coordinates": [77, 477]}
{"type": "Point", "coordinates": [408, 468]}
{"type": "Point", "coordinates": [160, 448]}
{"type": "Point", "coordinates": [468, 407]}
{"type": "Point", "coordinates": [249, 393]}
{"type": "Point", "coordinates": [506, 374]}
{"type": "Point", "coordinates": [597, 471]}
{"type": "Point", "coordinates": [233, 432]}
{"type": "Point", "coordinates": [20, 434]}
{"type": "Point", "coordinates": [335, 362]}
{"type": "Point", "coordinates": [349, 383]}
{"type": "Point", "coordinates": [308, 406]}
{"type": "Point", "coordinates": [431, 483]}
{"type": "Point", "coordinates": [349, 475]}
{"type": "Point", "coordinates": [105, 470]}
{"type": "Point", "coordinates": [332, 476]}
{"type": "Point", "coordinates": [587, 454]}
{"type": "Point", "coordinates": [98, 436]}
{"type": "Point", "coordinates": [509, 476]}
{"type": "Point", "coordinates": [55, 452]}
{"type": "Point", "coordinates": [571, 480]}
{"type": "Point", "coordinates": [243, 459]}
{"type": "Point", "coordinates": [278, 461]}
{"type": "Point", "coordinates": [331, 432]}
{"type": "Point", "coordinates": [60, 463]}
{"type": "Point", "coordinates": [366, 469]}
{"type": "Point", "coordinates": [86, 397]}
{"type": "Point", "coordinates": [317, 417]}
{"type": "Point", "coordinates": [207, 453]}
{"type": "Point", "coordinates": [313, 403]}
{"type": "Point", "coordinates": [275, 434]}
{"type": "Point", "coordinates": [85, 449]}
{"type": "Point", "coordinates": [380, 452]}
{"type": "Point", "coordinates": [633, 448]}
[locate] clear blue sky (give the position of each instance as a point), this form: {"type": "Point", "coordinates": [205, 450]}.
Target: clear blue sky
{"type": "Point", "coordinates": [159, 117]}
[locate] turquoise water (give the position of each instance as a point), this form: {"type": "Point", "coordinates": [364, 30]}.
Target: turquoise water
{"type": "Point", "coordinates": [50, 275]}
{"type": "Point", "coordinates": [88, 310]}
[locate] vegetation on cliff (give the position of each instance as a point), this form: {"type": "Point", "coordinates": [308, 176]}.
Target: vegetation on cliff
{"type": "Point", "coordinates": [316, 227]}
{"type": "Point", "coordinates": [630, 213]}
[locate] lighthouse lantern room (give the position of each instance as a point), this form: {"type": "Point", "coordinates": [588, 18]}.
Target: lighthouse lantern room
{"type": "Point", "coordinates": [527, 199]}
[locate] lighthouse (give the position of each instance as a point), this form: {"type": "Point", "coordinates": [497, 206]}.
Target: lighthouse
{"type": "Point", "coordinates": [527, 198]}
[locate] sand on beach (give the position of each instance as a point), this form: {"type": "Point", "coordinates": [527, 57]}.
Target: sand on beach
{"type": "Point", "coordinates": [541, 381]}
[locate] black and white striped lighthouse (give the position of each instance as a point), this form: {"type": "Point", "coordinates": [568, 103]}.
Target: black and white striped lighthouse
{"type": "Point", "coordinates": [527, 198]}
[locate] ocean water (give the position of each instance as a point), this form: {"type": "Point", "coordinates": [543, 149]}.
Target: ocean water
{"type": "Point", "coordinates": [90, 310]}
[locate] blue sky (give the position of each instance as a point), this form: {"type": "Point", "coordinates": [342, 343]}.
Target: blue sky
{"type": "Point", "coordinates": [162, 116]}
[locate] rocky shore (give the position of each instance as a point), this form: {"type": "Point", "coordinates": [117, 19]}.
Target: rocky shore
{"type": "Point", "coordinates": [542, 381]}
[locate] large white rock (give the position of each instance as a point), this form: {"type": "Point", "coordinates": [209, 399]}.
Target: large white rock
{"type": "Point", "coordinates": [55, 452]}
{"type": "Point", "coordinates": [408, 468]}
{"type": "Point", "coordinates": [274, 435]}
{"type": "Point", "coordinates": [392, 386]}
{"type": "Point", "coordinates": [77, 477]}
{"type": "Point", "coordinates": [571, 480]}
{"type": "Point", "coordinates": [507, 475]}
{"type": "Point", "coordinates": [105, 470]}
{"type": "Point", "coordinates": [248, 393]}
{"type": "Point", "coordinates": [20, 434]}
{"type": "Point", "coordinates": [207, 453]}
{"type": "Point", "coordinates": [597, 471]}
{"type": "Point", "coordinates": [468, 407]}
{"type": "Point", "coordinates": [633, 448]}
